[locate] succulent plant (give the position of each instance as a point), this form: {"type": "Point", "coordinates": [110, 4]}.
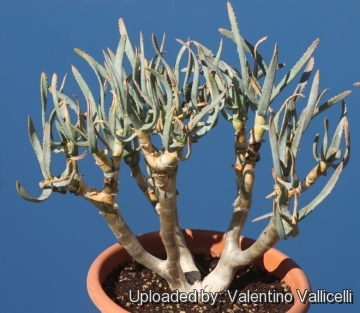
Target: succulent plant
{"type": "Point", "coordinates": [181, 106]}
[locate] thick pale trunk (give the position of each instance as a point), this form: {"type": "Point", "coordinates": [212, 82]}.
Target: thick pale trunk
{"type": "Point", "coordinates": [221, 277]}
{"type": "Point", "coordinates": [187, 264]}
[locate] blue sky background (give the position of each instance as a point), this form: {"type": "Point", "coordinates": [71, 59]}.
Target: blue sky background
{"type": "Point", "coordinates": [47, 248]}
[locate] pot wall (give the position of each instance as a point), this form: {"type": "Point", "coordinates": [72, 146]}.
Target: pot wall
{"type": "Point", "coordinates": [198, 241]}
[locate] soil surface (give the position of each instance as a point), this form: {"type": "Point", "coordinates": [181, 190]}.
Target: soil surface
{"type": "Point", "coordinates": [131, 282]}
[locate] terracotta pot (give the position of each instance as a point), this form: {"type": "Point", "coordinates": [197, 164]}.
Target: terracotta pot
{"type": "Point", "coordinates": [198, 241]}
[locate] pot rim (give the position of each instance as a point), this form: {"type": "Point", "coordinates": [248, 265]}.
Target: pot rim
{"type": "Point", "coordinates": [273, 261]}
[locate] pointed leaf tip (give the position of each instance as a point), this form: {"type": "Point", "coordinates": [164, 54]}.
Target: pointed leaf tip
{"type": "Point", "coordinates": [46, 192]}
